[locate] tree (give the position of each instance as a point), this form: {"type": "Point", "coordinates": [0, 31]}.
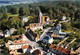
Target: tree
{"type": "Point", "coordinates": [77, 14]}
{"type": "Point", "coordinates": [66, 26]}
{"type": "Point", "coordinates": [9, 38]}
{"type": "Point", "coordinates": [14, 10]}
{"type": "Point", "coordinates": [2, 41]}
{"type": "Point", "coordinates": [20, 31]}
{"type": "Point", "coordinates": [22, 11]}
{"type": "Point", "coordinates": [5, 15]}
{"type": "Point", "coordinates": [51, 13]}
{"type": "Point", "coordinates": [76, 23]}
{"type": "Point", "coordinates": [13, 22]}
{"type": "Point", "coordinates": [1, 15]}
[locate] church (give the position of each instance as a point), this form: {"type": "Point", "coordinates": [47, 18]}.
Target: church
{"type": "Point", "coordinates": [42, 20]}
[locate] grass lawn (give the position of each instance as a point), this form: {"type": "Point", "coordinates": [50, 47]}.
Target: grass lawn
{"type": "Point", "coordinates": [55, 20]}
{"type": "Point", "coordinates": [11, 15]}
{"type": "Point", "coordinates": [67, 31]}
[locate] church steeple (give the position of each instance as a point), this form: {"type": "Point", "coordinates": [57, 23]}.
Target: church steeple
{"type": "Point", "coordinates": [40, 17]}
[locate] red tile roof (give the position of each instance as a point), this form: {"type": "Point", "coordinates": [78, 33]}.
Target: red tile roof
{"type": "Point", "coordinates": [58, 48]}
{"type": "Point", "coordinates": [37, 36]}
{"type": "Point", "coordinates": [27, 27]}
{"type": "Point", "coordinates": [27, 46]}
{"type": "Point", "coordinates": [16, 36]}
{"type": "Point", "coordinates": [19, 42]}
{"type": "Point", "coordinates": [53, 35]}
{"type": "Point", "coordinates": [35, 24]}
{"type": "Point", "coordinates": [38, 52]}
{"type": "Point", "coordinates": [66, 51]}
{"type": "Point", "coordinates": [32, 33]}
{"type": "Point", "coordinates": [11, 50]}
{"type": "Point", "coordinates": [53, 46]}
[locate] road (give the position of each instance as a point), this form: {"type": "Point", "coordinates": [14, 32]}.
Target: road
{"type": "Point", "coordinates": [48, 32]}
{"type": "Point", "coordinates": [45, 33]}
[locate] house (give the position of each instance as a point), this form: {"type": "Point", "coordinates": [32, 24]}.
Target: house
{"type": "Point", "coordinates": [1, 33]}
{"type": "Point", "coordinates": [47, 39]}
{"type": "Point", "coordinates": [26, 48]}
{"type": "Point", "coordinates": [27, 27]}
{"type": "Point", "coordinates": [16, 42]}
{"type": "Point", "coordinates": [58, 27]}
{"type": "Point", "coordinates": [16, 52]}
{"type": "Point", "coordinates": [53, 35]}
{"type": "Point", "coordinates": [38, 52]}
{"type": "Point", "coordinates": [43, 19]}
{"type": "Point", "coordinates": [25, 19]}
{"type": "Point", "coordinates": [7, 33]}
{"type": "Point", "coordinates": [57, 32]}
{"type": "Point", "coordinates": [76, 52]}
{"type": "Point", "coordinates": [46, 20]}
{"type": "Point", "coordinates": [36, 26]}
{"type": "Point", "coordinates": [73, 52]}
{"type": "Point", "coordinates": [16, 37]}
{"type": "Point", "coordinates": [63, 18]}
{"type": "Point", "coordinates": [31, 35]}
{"type": "Point", "coordinates": [12, 30]}
{"type": "Point", "coordinates": [23, 45]}
{"type": "Point", "coordinates": [59, 50]}
{"type": "Point", "coordinates": [15, 47]}
{"type": "Point", "coordinates": [61, 35]}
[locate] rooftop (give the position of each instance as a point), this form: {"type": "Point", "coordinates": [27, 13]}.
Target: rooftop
{"type": "Point", "coordinates": [58, 48]}
{"type": "Point", "coordinates": [62, 33]}
{"type": "Point", "coordinates": [38, 52]}
{"type": "Point", "coordinates": [32, 33]}
{"type": "Point", "coordinates": [27, 46]}
{"type": "Point", "coordinates": [78, 50]}
{"type": "Point", "coordinates": [26, 27]}
{"type": "Point", "coordinates": [35, 24]}
{"type": "Point", "coordinates": [53, 35]}
{"type": "Point", "coordinates": [19, 42]}
{"type": "Point", "coordinates": [16, 36]}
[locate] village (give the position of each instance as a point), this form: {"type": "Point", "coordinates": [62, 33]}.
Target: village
{"type": "Point", "coordinates": [38, 40]}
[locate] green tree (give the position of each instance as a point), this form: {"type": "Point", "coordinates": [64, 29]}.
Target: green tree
{"type": "Point", "coordinates": [20, 31]}
{"type": "Point", "coordinates": [51, 13]}
{"type": "Point", "coordinates": [77, 14]}
{"type": "Point", "coordinates": [5, 15]}
{"type": "Point", "coordinates": [66, 26]}
{"type": "Point", "coordinates": [9, 38]}
{"type": "Point", "coordinates": [2, 41]}
{"type": "Point", "coordinates": [14, 10]}
{"type": "Point", "coordinates": [76, 23]}
{"type": "Point", "coordinates": [22, 11]}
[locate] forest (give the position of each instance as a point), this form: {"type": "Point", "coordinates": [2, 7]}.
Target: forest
{"type": "Point", "coordinates": [11, 15]}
